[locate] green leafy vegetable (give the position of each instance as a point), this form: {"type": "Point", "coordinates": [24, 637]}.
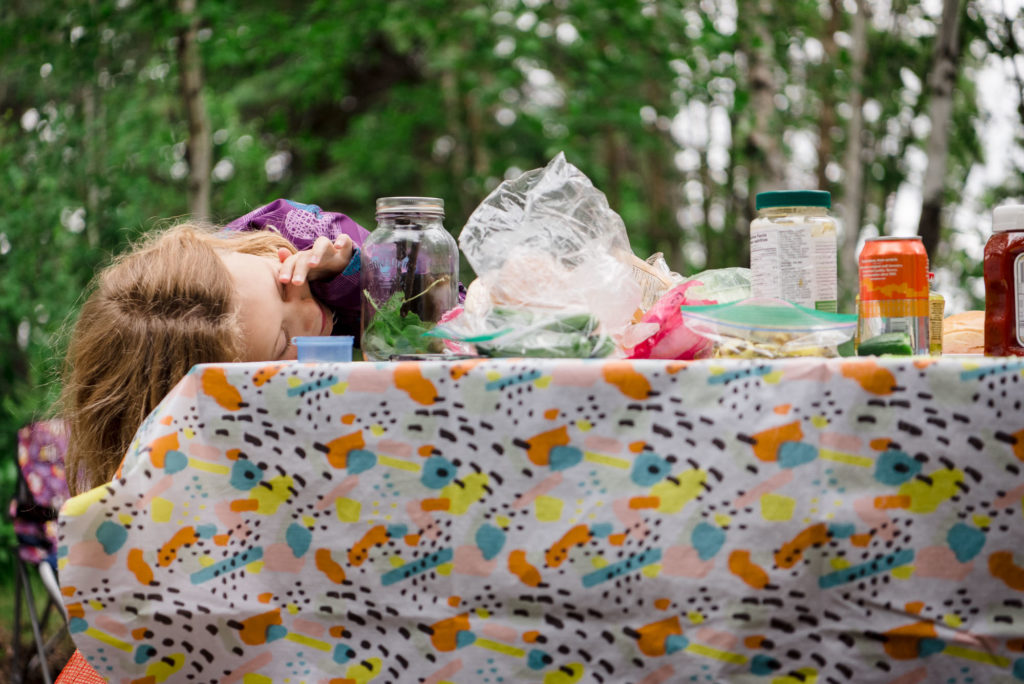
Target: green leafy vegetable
{"type": "Point", "coordinates": [392, 332]}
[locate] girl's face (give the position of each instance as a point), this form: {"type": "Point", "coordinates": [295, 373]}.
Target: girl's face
{"type": "Point", "coordinates": [270, 312]}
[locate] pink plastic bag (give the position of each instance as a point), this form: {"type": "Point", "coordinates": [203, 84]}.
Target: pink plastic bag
{"type": "Point", "coordinates": [672, 340]}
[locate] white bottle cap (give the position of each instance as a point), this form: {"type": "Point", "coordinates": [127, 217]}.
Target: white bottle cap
{"type": "Point", "coordinates": [1008, 217]}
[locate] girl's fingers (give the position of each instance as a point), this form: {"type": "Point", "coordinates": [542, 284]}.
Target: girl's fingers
{"type": "Point", "coordinates": [320, 247]}
{"type": "Point", "coordinates": [287, 265]}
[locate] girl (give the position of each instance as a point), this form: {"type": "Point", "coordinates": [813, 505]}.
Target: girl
{"type": "Point", "coordinates": [192, 294]}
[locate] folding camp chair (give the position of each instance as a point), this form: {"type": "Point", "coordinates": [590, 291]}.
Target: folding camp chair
{"type": "Point", "coordinates": [41, 490]}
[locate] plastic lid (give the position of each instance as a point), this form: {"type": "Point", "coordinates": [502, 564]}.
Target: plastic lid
{"type": "Point", "coordinates": [793, 198]}
{"type": "Point", "coordinates": [1008, 217]}
{"type": "Point", "coordinates": [324, 349]}
{"type": "Point", "coordinates": [410, 205]}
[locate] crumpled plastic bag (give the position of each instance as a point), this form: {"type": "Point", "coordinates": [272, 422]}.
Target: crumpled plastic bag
{"type": "Point", "coordinates": [549, 252]}
{"type": "Point", "coordinates": [662, 333]}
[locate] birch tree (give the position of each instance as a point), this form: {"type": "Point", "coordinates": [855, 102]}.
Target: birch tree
{"type": "Point", "coordinates": [199, 143]}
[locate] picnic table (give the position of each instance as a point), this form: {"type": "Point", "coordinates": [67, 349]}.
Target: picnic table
{"type": "Point", "coordinates": [558, 521]}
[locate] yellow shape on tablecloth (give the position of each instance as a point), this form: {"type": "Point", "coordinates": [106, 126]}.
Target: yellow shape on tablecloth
{"type": "Point", "coordinates": [207, 467]}
{"type": "Point", "coordinates": [503, 521]}
{"type": "Point", "coordinates": [256, 678]}
{"type": "Point", "coordinates": [599, 562]}
{"type": "Point", "coordinates": [839, 563]}
{"type": "Point", "coordinates": [399, 464]}
{"type": "Point", "coordinates": [124, 519]}
{"type": "Point", "coordinates": [772, 378]}
{"type": "Point", "coordinates": [583, 425]}
{"type": "Point", "coordinates": [499, 647]}
{"type": "Point", "coordinates": [602, 459]}
{"type": "Point", "coordinates": [294, 381]}
{"type": "Point", "coordinates": [926, 495]}
{"type": "Point", "coordinates": [78, 505]}
{"type": "Point", "coordinates": [445, 569]}
{"type": "Point", "coordinates": [189, 433]}
{"type": "Point", "coordinates": [819, 422]}
{"type": "Point", "coordinates": [95, 605]}
{"type": "Point", "coordinates": [566, 674]}
{"type": "Point", "coordinates": [723, 520]}
{"type": "Point", "coordinates": [957, 651]}
{"type": "Point", "coordinates": [717, 654]}
{"type": "Point", "coordinates": [695, 617]}
{"type": "Point", "coordinates": [462, 498]}
{"type": "Point", "coordinates": [161, 670]}
{"type": "Point", "coordinates": [160, 509]}
{"type": "Point", "coordinates": [982, 520]}
{"type": "Point", "coordinates": [377, 429]}
{"type": "Point", "coordinates": [848, 459]}
{"type": "Point", "coordinates": [309, 521]}
{"type": "Point", "coordinates": [339, 387]}
{"type": "Point", "coordinates": [493, 375]}
{"type": "Point", "coordinates": [396, 561]}
{"type": "Point", "coordinates": [776, 507]}
{"type": "Point", "coordinates": [254, 568]}
{"type": "Point", "coordinates": [206, 561]}
{"type": "Point", "coordinates": [651, 570]}
{"type": "Point", "coordinates": [308, 641]}
{"type": "Point", "coordinates": [903, 572]}
{"type": "Point", "coordinates": [109, 639]}
{"type": "Point", "coordinates": [547, 508]}
{"type": "Point", "coordinates": [292, 608]}
{"type": "Point", "coordinates": [269, 498]}
{"type": "Point", "coordinates": [952, 619]}
{"type": "Point", "coordinates": [808, 675]}
{"type": "Point", "coordinates": [348, 509]}
{"type": "Point", "coordinates": [672, 497]}
{"type": "Point", "coordinates": [543, 382]}
{"type": "Point", "coordinates": [365, 670]}
{"type": "Point", "coordinates": [482, 613]}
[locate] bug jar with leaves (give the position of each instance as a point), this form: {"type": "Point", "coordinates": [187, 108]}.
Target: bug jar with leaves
{"type": "Point", "coordinates": [409, 278]}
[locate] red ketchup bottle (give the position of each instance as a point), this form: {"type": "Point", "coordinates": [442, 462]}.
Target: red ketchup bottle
{"type": "Point", "coordinates": [1004, 283]}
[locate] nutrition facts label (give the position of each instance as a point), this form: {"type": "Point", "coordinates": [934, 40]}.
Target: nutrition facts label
{"type": "Point", "coordinates": [788, 262]}
{"type": "Point", "coordinates": [1018, 295]}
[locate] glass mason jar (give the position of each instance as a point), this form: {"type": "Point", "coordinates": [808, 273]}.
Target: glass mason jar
{"type": "Point", "coordinates": [409, 278]}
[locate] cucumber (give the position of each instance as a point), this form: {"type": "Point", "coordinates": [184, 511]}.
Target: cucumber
{"type": "Point", "coordinates": [887, 343]}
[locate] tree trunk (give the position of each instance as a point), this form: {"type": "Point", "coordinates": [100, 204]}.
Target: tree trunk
{"type": "Point", "coordinates": [853, 194]}
{"type": "Point", "coordinates": [827, 120]}
{"type": "Point", "coordinates": [199, 145]}
{"type": "Point", "coordinates": [941, 81]}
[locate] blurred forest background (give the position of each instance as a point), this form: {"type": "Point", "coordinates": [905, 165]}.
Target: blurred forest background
{"type": "Point", "coordinates": [117, 115]}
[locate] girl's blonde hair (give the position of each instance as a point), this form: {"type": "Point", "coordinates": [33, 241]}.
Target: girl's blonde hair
{"type": "Point", "coordinates": [152, 314]}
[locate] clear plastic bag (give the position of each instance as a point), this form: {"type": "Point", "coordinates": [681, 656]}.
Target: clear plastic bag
{"type": "Point", "coordinates": [769, 328]}
{"type": "Point", "coordinates": [547, 249]}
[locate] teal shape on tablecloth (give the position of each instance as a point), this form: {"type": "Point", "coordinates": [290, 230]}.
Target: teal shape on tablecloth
{"type": "Point", "coordinates": [601, 529]}
{"type": "Point", "coordinates": [564, 457]}
{"type": "Point", "coordinates": [298, 538]}
{"type": "Point", "coordinates": [707, 539]}
{"type": "Point", "coordinates": [675, 642]}
{"type": "Point", "coordinates": [77, 625]}
{"type": "Point", "coordinates": [397, 531]}
{"type": "Point", "coordinates": [111, 536]}
{"type": "Point", "coordinates": [490, 539]}
{"type": "Point", "coordinates": [437, 472]}
{"type": "Point", "coordinates": [360, 460]}
{"type": "Point", "coordinates": [417, 567]}
{"type": "Point", "coordinates": [623, 567]}
{"type": "Point", "coordinates": [464, 638]}
{"type": "Point", "coordinates": [966, 541]}
{"type": "Point", "coordinates": [245, 474]}
{"type": "Point", "coordinates": [275, 632]}
{"type": "Point", "coordinates": [763, 665]}
{"type": "Point", "coordinates": [143, 653]}
{"type": "Point", "coordinates": [841, 530]}
{"type": "Point", "coordinates": [649, 469]}
{"type": "Point", "coordinates": [538, 660]}
{"type": "Point", "coordinates": [342, 654]}
{"type": "Point", "coordinates": [206, 531]}
{"type": "Point", "coordinates": [1018, 669]}
{"type": "Point", "coordinates": [236, 562]}
{"type": "Point", "coordinates": [873, 567]}
{"type": "Point", "coordinates": [793, 454]}
{"type": "Point", "coordinates": [895, 467]}
{"type": "Point", "coordinates": [930, 646]}
{"type": "Point", "coordinates": [175, 462]}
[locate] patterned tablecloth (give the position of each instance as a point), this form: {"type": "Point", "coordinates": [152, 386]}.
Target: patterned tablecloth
{"type": "Point", "coordinates": [793, 522]}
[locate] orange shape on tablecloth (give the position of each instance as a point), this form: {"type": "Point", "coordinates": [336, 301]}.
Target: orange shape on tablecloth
{"type": "Point", "coordinates": [445, 633]}
{"type": "Point", "coordinates": [644, 502]}
{"type": "Point", "coordinates": [254, 629]}
{"type": "Point", "coordinates": [167, 420]}
{"type": "Point", "coordinates": [159, 447]}
{"type": "Point", "coordinates": [339, 447]}
{"type": "Point", "coordinates": [360, 551]}
{"type": "Point", "coordinates": [409, 378]}
{"type": "Point", "coordinates": [260, 377]}
{"type": "Point", "coordinates": [637, 447]}
{"type": "Point", "coordinates": [169, 551]}
{"type": "Point", "coordinates": [232, 454]}
{"type": "Point", "coordinates": [425, 451]}
{"type": "Point", "coordinates": [454, 601]}
{"type": "Point", "coordinates": [463, 367]}
{"type": "Point", "coordinates": [869, 375]}
{"type": "Point", "coordinates": [792, 551]}
{"type": "Point", "coordinates": [662, 603]}
{"type": "Point", "coordinates": [140, 633]}
{"type": "Point", "coordinates": [914, 607]}
{"type": "Point", "coordinates": [578, 535]}
{"type": "Point", "coordinates": [435, 504]}
{"type": "Point", "coordinates": [622, 375]}
{"type": "Point", "coordinates": [860, 540]}
{"type": "Point", "coordinates": [892, 501]}
{"type": "Point", "coordinates": [767, 442]}
{"type": "Point", "coordinates": [1015, 645]}
{"type": "Point", "coordinates": [754, 641]}
{"type": "Point", "coordinates": [782, 409]}
{"type": "Point", "coordinates": [138, 566]}
{"type": "Point", "coordinates": [531, 636]}
{"type": "Point", "coordinates": [1002, 567]}
{"type": "Point", "coordinates": [67, 590]}
{"type": "Point", "coordinates": [552, 414]}
{"type": "Point", "coordinates": [539, 449]}
{"type": "Point", "coordinates": [651, 637]}
{"type": "Point", "coordinates": [747, 570]}
{"type": "Point", "coordinates": [265, 597]}
{"type": "Point", "coordinates": [329, 566]}
{"type": "Point", "coordinates": [1018, 446]}
{"type": "Point", "coordinates": [411, 539]}
{"type": "Point", "coordinates": [214, 382]}
{"type": "Point", "coordinates": [880, 444]}
{"type": "Point", "coordinates": [521, 568]}
{"type": "Point", "coordinates": [903, 643]}
{"type": "Point", "coordinates": [75, 610]}
{"type": "Point", "coordinates": [338, 631]}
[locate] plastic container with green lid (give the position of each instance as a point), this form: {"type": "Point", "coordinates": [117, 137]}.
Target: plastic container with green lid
{"type": "Point", "coordinates": [793, 248]}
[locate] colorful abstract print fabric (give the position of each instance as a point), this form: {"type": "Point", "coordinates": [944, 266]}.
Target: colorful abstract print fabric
{"type": "Point", "coordinates": [793, 522]}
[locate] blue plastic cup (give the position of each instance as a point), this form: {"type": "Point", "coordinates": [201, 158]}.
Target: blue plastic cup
{"type": "Point", "coordinates": [324, 349]}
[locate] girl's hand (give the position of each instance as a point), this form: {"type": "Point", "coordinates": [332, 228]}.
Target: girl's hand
{"type": "Point", "coordinates": [322, 261]}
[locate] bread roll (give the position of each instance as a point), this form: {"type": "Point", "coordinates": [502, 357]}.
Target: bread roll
{"type": "Point", "coordinates": [964, 333]}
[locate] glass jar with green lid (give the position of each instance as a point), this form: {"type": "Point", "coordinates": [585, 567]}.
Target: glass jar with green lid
{"type": "Point", "coordinates": [409, 278]}
{"type": "Point", "coordinates": [793, 248]}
